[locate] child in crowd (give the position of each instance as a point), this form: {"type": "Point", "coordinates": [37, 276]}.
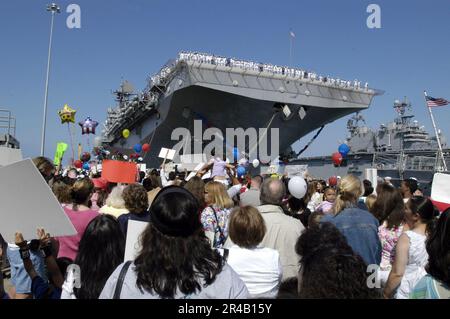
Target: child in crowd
{"type": "Point", "coordinates": [329, 196]}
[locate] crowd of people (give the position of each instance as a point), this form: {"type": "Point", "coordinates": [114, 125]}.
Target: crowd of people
{"type": "Point", "coordinates": [232, 237]}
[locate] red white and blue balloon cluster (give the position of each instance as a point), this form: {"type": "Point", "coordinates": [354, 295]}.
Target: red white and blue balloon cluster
{"type": "Point", "coordinates": [338, 157]}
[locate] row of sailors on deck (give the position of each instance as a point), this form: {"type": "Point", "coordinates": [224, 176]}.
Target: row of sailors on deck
{"type": "Point", "coordinates": [262, 67]}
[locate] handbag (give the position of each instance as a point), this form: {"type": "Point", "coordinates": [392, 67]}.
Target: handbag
{"type": "Point", "coordinates": [120, 280]}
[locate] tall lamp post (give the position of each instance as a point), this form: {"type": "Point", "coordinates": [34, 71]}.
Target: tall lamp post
{"type": "Point", "coordinates": [53, 8]}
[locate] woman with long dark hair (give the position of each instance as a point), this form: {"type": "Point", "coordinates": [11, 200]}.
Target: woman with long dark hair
{"type": "Point", "coordinates": [175, 259]}
{"type": "Point", "coordinates": [329, 268]}
{"type": "Point", "coordinates": [411, 256]}
{"type": "Point", "coordinates": [101, 250]}
{"type": "Point", "coordinates": [436, 284]}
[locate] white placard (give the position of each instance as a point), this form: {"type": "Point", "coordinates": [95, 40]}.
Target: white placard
{"type": "Point", "coordinates": [440, 189]}
{"type": "Point", "coordinates": [28, 203]}
{"type": "Point", "coordinates": [9, 156]}
{"type": "Point", "coordinates": [142, 167]}
{"type": "Point", "coordinates": [296, 170]}
{"type": "Point", "coordinates": [167, 153]}
{"type": "Point", "coordinates": [132, 246]}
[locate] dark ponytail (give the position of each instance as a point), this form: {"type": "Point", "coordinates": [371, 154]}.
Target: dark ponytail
{"type": "Point", "coordinates": [426, 210]}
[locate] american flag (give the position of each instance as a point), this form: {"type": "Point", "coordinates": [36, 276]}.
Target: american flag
{"type": "Point", "coordinates": [431, 101]}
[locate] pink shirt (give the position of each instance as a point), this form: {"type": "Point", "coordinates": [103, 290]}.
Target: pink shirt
{"type": "Point", "coordinates": [325, 207]}
{"type": "Point", "coordinates": [68, 245]}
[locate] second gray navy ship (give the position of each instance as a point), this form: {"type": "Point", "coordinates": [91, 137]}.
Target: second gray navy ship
{"type": "Point", "coordinates": [398, 150]}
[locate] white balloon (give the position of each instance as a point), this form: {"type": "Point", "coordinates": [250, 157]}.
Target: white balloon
{"type": "Point", "coordinates": [255, 162]}
{"type": "Point", "coordinates": [297, 187]}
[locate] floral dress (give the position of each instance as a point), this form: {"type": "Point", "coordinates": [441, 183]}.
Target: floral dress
{"type": "Point", "coordinates": [388, 239]}
{"type": "Point", "coordinates": [211, 224]}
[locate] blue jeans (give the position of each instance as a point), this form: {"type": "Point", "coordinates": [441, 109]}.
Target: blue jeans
{"type": "Point", "coordinates": [19, 276]}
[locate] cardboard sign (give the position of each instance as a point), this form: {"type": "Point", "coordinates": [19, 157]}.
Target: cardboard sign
{"type": "Point", "coordinates": [28, 203]}
{"type": "Point", "coordinates": [9, 155]}
{"type": "Point", "coordinates": [132, 246]}
{"type": "Point", "coordinates": [119, 172]}
{"type": "Point", "coordinates": [440, 191]}
{"type": "Point", "coordinates": [167, 153]}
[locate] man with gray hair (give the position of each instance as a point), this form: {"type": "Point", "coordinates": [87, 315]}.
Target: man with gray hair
{"type": "Point", "coordinates": [282, 230]}
{"type": "Point", "coordinates": [252, 196]}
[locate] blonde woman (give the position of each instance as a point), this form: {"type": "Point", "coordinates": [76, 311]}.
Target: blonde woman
{"type": "Point", "coordinates": [115, 204]}
{"type": "Point", "coordinates": [359, 226]}
{"type": "Point", "coordinates": [215, 216]}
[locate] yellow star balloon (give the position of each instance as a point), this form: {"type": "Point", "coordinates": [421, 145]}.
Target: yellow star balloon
{"type": "Point", "coordinates": [67, 114]}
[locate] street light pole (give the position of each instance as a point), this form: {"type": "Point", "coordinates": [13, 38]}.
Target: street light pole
{"type": "Point", "coordinates": [53, 8]}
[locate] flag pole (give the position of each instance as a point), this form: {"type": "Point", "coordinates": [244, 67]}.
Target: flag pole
{"type": "Point", "coordinates": [290, 50]}
{"type": "Point", "coordinates": [436, 132]}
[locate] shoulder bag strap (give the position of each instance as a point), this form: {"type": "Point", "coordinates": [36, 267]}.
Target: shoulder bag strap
{"type": "Point", "coordinates": [217, 220]}
{"type": "Point", "coordinates": [120, 280]}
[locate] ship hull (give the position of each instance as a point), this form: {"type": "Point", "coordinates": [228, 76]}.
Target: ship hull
{"type": "Point", "coordinates": [222, 110]}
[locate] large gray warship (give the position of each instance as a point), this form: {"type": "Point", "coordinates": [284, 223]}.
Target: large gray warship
{"type": "Point", "coordinates": [400, 149]}
{"type": "Point", "coordinates": [228, 93]}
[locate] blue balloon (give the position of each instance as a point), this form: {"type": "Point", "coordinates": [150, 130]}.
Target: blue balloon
{"type": "Point", "coordinates": [138, 148]}
{"type": "Point", "coordinates": [86, 166]}
{"type": "Point", "coordinates": [344, 149]}
{"type": "Point", "coordinates": [240, 171]}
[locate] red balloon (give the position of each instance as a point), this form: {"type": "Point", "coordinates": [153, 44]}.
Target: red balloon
{"type": "Point", "coordinates": [337, 158]}
{"type": "Point", "coordinates": [146, 147]}
{"type": "Point", "coordinates": [332, 181]}
{"type": "Point", "coordinates": [77, 164]}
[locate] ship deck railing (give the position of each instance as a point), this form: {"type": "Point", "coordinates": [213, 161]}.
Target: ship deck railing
{"type": "Point", "coordinates": [8, 129]}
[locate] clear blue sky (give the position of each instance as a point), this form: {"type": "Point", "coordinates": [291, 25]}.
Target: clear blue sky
{"type": "Point", "coordinates": [133, 39]}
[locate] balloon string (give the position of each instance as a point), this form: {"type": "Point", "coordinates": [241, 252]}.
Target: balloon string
{"type": "Point", "coordinates": [72, 128]}
{"type": "Point", "coordinates": [150, 143]}
{"type": "Point", "coordinates": [71, 142]}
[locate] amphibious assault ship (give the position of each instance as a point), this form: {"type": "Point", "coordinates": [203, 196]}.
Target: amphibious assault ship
{"type": "Point", "coordinates": [228, 93]}
{"type": "Point", "coordinates": [400, 149]}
